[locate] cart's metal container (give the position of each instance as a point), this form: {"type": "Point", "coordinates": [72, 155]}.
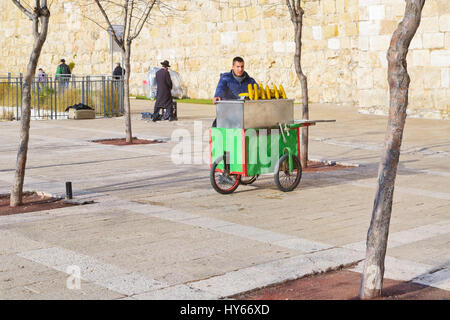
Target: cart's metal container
{"type": "Point", "coordinates": [247, 114]}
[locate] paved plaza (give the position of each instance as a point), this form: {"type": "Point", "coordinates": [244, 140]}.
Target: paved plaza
{"type": "Point", "coordinates": [158, 230]}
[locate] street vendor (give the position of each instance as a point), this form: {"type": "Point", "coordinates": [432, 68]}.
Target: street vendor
{"type": "Point", "coordinates": [232, 83]}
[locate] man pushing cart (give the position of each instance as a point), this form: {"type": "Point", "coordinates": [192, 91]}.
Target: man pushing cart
{"type": "Point", "coordinates": [253, 135]}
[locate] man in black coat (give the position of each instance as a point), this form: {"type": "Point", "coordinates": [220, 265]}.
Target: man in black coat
{"type": "Point", "coordinates": [163, 96]}
{"type": "Point", "coordinates": [118, 71]}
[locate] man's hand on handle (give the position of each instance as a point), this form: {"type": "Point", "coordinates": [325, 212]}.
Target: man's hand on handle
{"type": "Point", "coordinates": [216, 99]}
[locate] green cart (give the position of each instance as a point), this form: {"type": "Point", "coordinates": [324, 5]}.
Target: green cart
{"type": "Point", "coordinates": [254, 138]}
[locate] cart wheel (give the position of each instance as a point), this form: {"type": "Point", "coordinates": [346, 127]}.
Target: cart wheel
{"type": "Point", "coordinates": [248, 180]}
{"type": "Point", "coordinates": [223, 182]}
{"type": "Point", "coordinates": [287, 181]}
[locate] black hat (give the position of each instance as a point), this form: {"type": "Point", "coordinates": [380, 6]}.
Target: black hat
{"type": "Point", "coordinates": [62, 60]}
{"type": "Point", "coordinates": [165, 63]}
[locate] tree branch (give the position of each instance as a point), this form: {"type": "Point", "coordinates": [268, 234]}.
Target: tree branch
{"type": "Point", "coordinates": [45, 16]}
{"type": "Point", "coordinates": [127, 31]}
{"type": "Point", "coordinates": [143, 20]}
{"type": "Point", "coordinates": [291, 10]}
{"type": "Point", "coordinates": [102, 10]}
{"type": "Point", "coordinates": [23, 9]}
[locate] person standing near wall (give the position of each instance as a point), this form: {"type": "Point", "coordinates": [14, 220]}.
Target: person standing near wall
{"type": "Point", "coordinates": [163, 96]}
{"type": "Point", "coordinates": [42, 78]}
{"type": "Point", "coordinates": [63, 74]}
{"type": "Point", "coordinates": [118, 72]}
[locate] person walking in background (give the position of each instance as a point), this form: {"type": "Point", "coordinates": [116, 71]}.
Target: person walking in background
{"type": "Point", "coordinates": [118, 72]}
{"type": "Point", "coordinates": [63, 74]}
{"type": "Point", "coordinates": [163, 96]}
{"type": "Point", "coordinates": [42, 78]}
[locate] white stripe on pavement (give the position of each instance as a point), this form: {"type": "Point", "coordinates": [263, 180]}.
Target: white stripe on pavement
{"type": "Point", "coordinates": [231, 228]}
{"type": "Point", "coordinates": [404, 270]}
{"type": "Point", "coordinates": [277, 271]}
{"type": "Point", "coordinates": [409, 236]}
{"type": "Point", "coordinates": [105, 275]}
{"type": "Point", "coordinates": [439, 279]}
{"type": "Point", "coordinates": [411, 191]}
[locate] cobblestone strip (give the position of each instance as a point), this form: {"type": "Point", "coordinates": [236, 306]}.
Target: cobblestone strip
{"type": "Point", "coordinates": [141, 287]}
{"type": "Point", "coordinates": [411, 191]}
{"type": "Point", "coordinates": [105, 275]}
{"type": "Point", "coordinates": [258, 276]}
{"type": "Point", "coordinates": [231, 228]}
{"type": "Point", "coordinates": [409, 236]}
{"type": "Point", "coordinates": [404, 270]}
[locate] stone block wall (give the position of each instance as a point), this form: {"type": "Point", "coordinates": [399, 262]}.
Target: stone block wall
{"type": "Point", "coordinates": [428, 58]}
{"type": "Point", "coordinates": [344, 47]}
{"type": "Point", "coordinates": [70, 36]}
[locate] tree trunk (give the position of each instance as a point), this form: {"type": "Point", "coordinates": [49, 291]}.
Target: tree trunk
{"type": "Point", "coordinates": [43, 14]}
{"type": "Point", "coordinates": [296, 12]}
{"type": "Point", "coordinates": [135, 14]}
{"type": "Point", "coordinates": [304, 83]}
{"type": "Point", "coordinates": [17, 189]}
{"type": "Point", "coordinates": [377, 236]}
{"type": "Point", "coordinates": [126, 57]}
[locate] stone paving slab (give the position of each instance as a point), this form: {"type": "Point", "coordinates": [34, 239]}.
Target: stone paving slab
{"type": "Point", "coordinates": [159, 231]}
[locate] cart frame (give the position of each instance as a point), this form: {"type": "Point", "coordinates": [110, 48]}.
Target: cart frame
{"type": "Point", "coordinates": [236, 152]}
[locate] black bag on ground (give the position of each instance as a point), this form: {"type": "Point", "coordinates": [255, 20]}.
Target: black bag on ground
{"type": "Point", "coordinates": [79, 106]}
{"type": "Point", "coordinates": [166, 115]}
{"type": "Point", "coordinates": [174, 110]}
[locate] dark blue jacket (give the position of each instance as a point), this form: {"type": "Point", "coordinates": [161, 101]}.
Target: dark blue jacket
{"type": "Point", "coordinates": [229, 88]}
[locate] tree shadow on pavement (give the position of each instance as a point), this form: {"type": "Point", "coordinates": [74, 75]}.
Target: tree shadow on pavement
{"type": "Point", "coordinates": [317, 180]}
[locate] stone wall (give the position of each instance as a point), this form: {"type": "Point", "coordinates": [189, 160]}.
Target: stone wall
{"type": "Point", "coordinates": [70, 36]}
{"type": "Point", "coordinates": [428, 59]}
{"type": "Point", "coordinates": [344, 47]}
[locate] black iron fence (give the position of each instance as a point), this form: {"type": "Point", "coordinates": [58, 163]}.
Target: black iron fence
{"type": "Point", "coordinates": [51, 97]}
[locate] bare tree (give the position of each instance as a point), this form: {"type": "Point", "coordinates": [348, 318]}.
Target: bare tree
{"type": "Point", "coordinates": [296, 12]}
{"type": "Point", "coordinates": [40, 16]}
{"type": "Point", "coordinates": [134, 15]}
{"type": "Point", "coordinates": [377, 236]}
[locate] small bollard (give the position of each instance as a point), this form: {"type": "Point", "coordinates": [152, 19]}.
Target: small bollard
{"type": "Point", "coordinates": [68, 190]}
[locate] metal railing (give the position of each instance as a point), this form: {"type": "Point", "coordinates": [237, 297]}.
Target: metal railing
{"type": "Point", "coordinates": [51, 97]}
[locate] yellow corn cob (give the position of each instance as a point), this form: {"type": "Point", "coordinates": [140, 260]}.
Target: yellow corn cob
{"type": "Point", "coordinates": [244, 94]}
{"type": "Point", "coordinates": [255, 91]}
{"type": "Point", "coordinates": [277, 94]}
{"type": "Point", "coordinates": [261, 92]}
{"type": "Point", "coordinates": [250, 92]}
{"type": "Point", "coordinates": [283, 93]}
{"type": "Point", "coordinates": [268, 96]}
